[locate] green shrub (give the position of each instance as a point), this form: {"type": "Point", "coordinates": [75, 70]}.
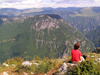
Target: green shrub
{"type": "Point", "coordinates": [86, 68]}
{"type": "Point", "coordinates": [57, 72]}
{"type": "Point", "coordinates": [48, 64]}
{"type": "Point", "coordinates": [44, 66]}
{"type": "Point", "coordinates": [20, 68]}
{"type": "Point", "coordinates": [37, 59]}
{"type": "Point", "coordinates": [15, 60]}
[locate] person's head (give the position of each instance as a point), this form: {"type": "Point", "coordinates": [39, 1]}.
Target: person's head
{"type": "Point", "coordinates": [76, 46]}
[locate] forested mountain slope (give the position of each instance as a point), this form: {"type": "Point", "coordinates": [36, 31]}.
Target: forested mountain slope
{"type": "Point", "coordinates": [42, 35]}
{"type": "Point", "coordinates": [95, 36]}
{"type": "Point", "coordinates": [83, 19]}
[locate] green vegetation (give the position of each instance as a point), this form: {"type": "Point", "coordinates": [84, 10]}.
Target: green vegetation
{"type": "Point", "coordinates": [85, 12]}
{"type": "Point", "coordinates": [41, 35]}
{"type": "Point", "coordinates": [94, 36]}
{"type": "Point", "coordinates": [85, 68]}
{"type": "Point", "coordinates": [32, 36]}
{"type": "Point", "coordinates": [83, 24]}
{"type": "Point", "coordinates": [45, 65]}
{"type": "Point", "coordinates": [51, 66]}
{"type": "Point", "coordinates": [83, 19]}
{"type": "Point", "coordinates": [88, 67]}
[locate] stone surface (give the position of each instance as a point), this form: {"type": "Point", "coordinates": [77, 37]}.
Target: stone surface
{"type": "Point", "coordinates": [63, 68]}
{"type": "Point", "coordinates": [32, 73]}
{"type": "Point", "coordinates": [24, 73]}
{"type": "Point", "coordinates": [71, 64]}
{"type": "Point", "coordinates": [5, 64]}
{"type": "Point", "coordinates": [36, 64]}
{"type": "Point", "coordinates": [4, 73]}
{"type": "Point", "coordinates": [26, 63]}
{"type": "Point", "coordinates": [97, 60]}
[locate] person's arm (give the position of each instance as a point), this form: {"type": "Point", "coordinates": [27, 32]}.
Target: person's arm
{"type": "Point", "coordinates": [80, 56]}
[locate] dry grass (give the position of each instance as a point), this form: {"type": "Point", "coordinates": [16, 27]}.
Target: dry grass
{"type": "Point", "coordinates": [11, 69]}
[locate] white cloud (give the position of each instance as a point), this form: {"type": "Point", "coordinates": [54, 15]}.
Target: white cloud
{"type": "Point", "coordinates": [31, 1]}
{"type": "Point", "coordinates": [22, 4]}
{"type": "Point", "coordinates": [77, 3]}
{"type": "Point", "coordinates": [72, 1]}
{"type": "Point", "coordinates": [11, 1]}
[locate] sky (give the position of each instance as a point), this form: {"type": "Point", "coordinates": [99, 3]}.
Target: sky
{"type": "Point", "coordinates": [24, 4]}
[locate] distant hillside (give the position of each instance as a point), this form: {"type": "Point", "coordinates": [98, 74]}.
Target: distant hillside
{"type": "Point", "coordinates": [83, 24]}
{"type": "Point", "coordinates": [83, 19]}
{"type": "Point", "coordinates": [17, 12]}
{"type": "Point", "coordinates": [9, 11]}
{"type": "Point", "coordinates": [96, 9]}
{"type": "Point", "coordinates": [42, 35]}
{"type": "Point", "coordinates": [94, 36]}
{"type": "Point", "coordinates": [34, 11]}
{"type": "Point", "coordinates": [74, 8]}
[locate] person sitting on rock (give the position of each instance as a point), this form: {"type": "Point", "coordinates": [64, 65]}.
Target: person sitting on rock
{"type": "Point", "coordinates": [76, 54]}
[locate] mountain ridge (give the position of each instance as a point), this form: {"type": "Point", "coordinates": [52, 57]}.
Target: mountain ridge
{"type": "Point", "coordinates": [84, 19]}
{"type": "Point", "coordinates": [41, 35]}
{"type": "Point", "coordinates": [94, 36]}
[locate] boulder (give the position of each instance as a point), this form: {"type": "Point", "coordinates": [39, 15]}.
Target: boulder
{"type": "Point", "coordinates": [71, 64]}
{"type": "Point", "coordinates": [4, 73]}
{"type": "Point", "coordinates": [97, 60]}
{"type": "Point", "coordinates": [24, 73]}
{"type": "Point", "coordinates": [36, 64]}
{"type": "Point", "coordinates": [63, 68]}
{"type": "Point", "coordinates": [5, 64]}
{"type": "Point", "coordinates": [26, 63]}
{"type": "Point", "coordinates": [32, 73]}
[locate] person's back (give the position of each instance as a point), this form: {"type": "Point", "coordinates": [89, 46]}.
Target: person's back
{"type": "Point", "coordinates": [76, 54]}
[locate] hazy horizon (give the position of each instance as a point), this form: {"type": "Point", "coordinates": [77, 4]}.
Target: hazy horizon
{"type": "Point", "coordinates": [24, 4]}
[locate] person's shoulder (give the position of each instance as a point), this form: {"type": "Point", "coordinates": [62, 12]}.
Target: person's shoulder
{"type": "Point", "coordinates": [79, 51]}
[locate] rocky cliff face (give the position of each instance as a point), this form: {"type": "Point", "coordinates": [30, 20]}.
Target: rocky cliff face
{"type": "Point", "coordinates": [43, 35]}
{"type": "Point", "coordinates": [58, 35]}
{"type": "Point", "coordinates": [94, 36]}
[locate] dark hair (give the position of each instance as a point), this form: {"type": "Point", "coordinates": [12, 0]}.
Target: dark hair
{"type": "Point", "coordinates": [76, 46]}
{"type": "Point", "coordinates": [84, 56]}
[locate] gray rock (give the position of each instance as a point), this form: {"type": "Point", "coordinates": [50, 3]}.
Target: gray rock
{"type": "Point", "coordinates": [26, 63]}
{"type": "Point", "coordinates": [71, 64]}
{"type": "Point", "coordinates": [4, 73]}
{"type": "Point", "coordinates": [5, 64]}
{"type": "Point", "coordinates": [32, 73]}
{"type": "Point", "coordinates": [36, 64]}
{"type": "Point", "coordinates": [24, 73]}
{"type": "Point", "coordinates": [63, 68]}
{"type": "Point", "coordinates": [97, 60]}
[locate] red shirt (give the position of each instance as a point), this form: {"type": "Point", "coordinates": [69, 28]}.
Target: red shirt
{"type": "Point", "coordinates": [76, 55]}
